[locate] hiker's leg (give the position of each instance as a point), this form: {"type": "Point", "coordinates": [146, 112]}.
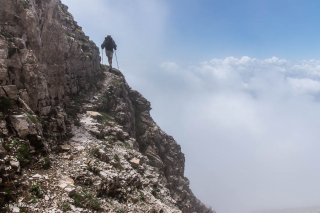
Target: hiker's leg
{"type": "Point", "coordinates": [109, 54]}
{"type": "Point", "coordinates": [110, 61]}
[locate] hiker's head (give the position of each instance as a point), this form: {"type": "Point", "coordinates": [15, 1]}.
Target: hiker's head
{"type": "Point", "coordinates": [108, 36]}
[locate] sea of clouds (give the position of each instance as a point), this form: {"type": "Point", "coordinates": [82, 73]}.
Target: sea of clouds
{"type": "Point", "coordinates": [249, 128]}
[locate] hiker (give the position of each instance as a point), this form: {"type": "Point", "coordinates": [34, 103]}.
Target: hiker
{"type": "Point", "coordinates": [109, 44]}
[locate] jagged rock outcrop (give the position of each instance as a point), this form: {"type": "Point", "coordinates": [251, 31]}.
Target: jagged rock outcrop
{"type": "Point", "coordinates": [118, 157]}
{"type": "Point", "coordinates": [45, 58]}
{"type": "Point", "coordinates": [131, 110]}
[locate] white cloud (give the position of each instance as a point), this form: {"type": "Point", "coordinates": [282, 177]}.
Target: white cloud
{"type": "Point", "coordinates": [305, 85]}
{"type": "Point", "coordinates": [249, 128]}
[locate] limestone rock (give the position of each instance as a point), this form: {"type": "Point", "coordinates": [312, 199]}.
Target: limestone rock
{"type": "Point", "coordinates": [65, 147]}
{"type": "Point", "coordinates": [11, 91]}
{"type": "Point", "coordinates": [94, 114]}
{"type": "Point", "coordinates": [135, 162]}
{"type": "Point", "coordinates": [23, 125]}
{"type": "Point", "coordinates": [15, 163]}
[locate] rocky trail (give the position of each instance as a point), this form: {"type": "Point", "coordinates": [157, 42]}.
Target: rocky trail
{"type": "Point", "coordinates": [88, 174]}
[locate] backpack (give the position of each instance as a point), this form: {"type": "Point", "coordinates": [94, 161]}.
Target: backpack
{"type": "Point", "coordinates": [109, 43]}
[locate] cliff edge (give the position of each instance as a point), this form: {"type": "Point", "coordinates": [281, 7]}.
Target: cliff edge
{"type": "Point", "coordinates": [74, 137]}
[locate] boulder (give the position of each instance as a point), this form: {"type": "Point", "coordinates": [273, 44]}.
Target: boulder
{"type": "Point", "coordinates": [23, 125]}
{"type": "Point", "coordinates": [94, 114]}
{"type": "Point", "coordinates": [135, 162]}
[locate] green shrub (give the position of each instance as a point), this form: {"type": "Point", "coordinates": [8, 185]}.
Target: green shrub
{"type": "Point", "coordinates": [23, 153]}
{"type": "Point", "coordinates": [66, 207]}
{"type": "Point", "coordinates": [120, 210]}
{"type": "Point", "coordinates": [104, 118]}
{"type": "Point", "coordinates": [33, 118]}
{"type": "Point", "coordinates": [36, 190]}
{"type": "Point", "coordinates": [46, 163]}
{"type": "Point", "coordinates": [86, 200]}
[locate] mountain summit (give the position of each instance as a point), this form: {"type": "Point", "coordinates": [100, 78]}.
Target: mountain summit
{"type": "Point", "coordinates": [73, 136]}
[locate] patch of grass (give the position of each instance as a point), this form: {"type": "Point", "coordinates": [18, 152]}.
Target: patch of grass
{"type": "Point", "coordinates": [94, 168]}
{"type": "Point", "coordinates": [25, 4]}
{"type": "Point", "coordinates": [46, 163]}
{"type": "Point", "coordinates": [104, 118]}
{"type": "Point", "coordinates": [33, 118]}
{"type": "Point", "coordinates": [116, 158]}
{"type": "Point", "coordinates": [142, 197]}
{"type": "Point", "coordinates": [11, 144]}
{"type": "Point", "coordinates": [94, 151]}
{"type": "Point", "coordinates": [19, 148]}
{"type": "Point", "coordinates": [155, 191]}
{"type": "Point", "coordinates": [65, 207]}
{"type": "Point", "coordinates": [86, 200]}
{"type": "Point", "coordinates": [23, 153]}
{"type": "Point", "coordinates": [36, 190]}
{"type": "Point", "coordinates": [120, 210]}
{"type": "Point", "coordinates": [117, 163]}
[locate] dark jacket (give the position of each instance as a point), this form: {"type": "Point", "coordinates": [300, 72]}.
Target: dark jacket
{"type": "Point", "coordinates": [109, 44]}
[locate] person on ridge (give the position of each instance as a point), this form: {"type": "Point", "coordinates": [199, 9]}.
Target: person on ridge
{"type": "Point", "coordinates": [110, 45]}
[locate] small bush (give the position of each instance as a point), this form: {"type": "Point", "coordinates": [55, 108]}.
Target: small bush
{"type": "Point", "coordinates": [46, 163]}
{"type": "Point", "coordinates": [66, 207]}
{"type": "Point", "coordinates": [93, 168]}
{"type": "Point", "coordinates": [23, 154]}
{"type": "Point", "coordinates": [121, 210]}
{"type": "Point", "coordinates": [36, 190]}
{"type": "Point", "coordinates": [104, 118]}
{"type": "Point", "coordinates": [142, 197]}
{"type": "Point", "coordinates": [33, 118]}
{"type": "Point", "coordinates": [86, 200]}
{"type": "Point", "coordinates": [94, 151]}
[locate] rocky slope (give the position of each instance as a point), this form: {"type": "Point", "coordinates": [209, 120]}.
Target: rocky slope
{"type": "Point", "coordinates": [75, 137]}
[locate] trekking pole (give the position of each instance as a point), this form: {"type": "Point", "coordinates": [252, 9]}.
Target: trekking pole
{"type": "Point", "coordinates": [117, 59]}
{"type": "Point", "coordinates": [102, 55]}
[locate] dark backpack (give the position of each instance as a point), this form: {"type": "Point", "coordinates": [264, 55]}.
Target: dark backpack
{"type": "Point", "coordinates": [109, 43]}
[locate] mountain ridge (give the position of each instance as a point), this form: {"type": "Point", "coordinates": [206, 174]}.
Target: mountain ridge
{"type": "Point", "coordinates": [53, 88]}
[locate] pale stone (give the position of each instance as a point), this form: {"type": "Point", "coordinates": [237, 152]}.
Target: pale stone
{"type": "Point", "coordinates": [66, 182]}
{"type": "Point", "coordinates": [22, 125]}
{"type": "Point", "coordinates": [94, 114]}
{"type": "Point", "coordinates": [65, 147]}
{"type": "Point", "coordinates": [37, 176]}
{"type": "Point", "coordinates": [15, 209]}
{"type": "Point", "coordinates": [11, 91]}
{"type": "Point", "coordinates": [135, 162]}
{"type": "Point", "coordinates": [15, 164]}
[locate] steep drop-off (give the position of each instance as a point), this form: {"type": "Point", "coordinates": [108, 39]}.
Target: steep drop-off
{"type": "Point", "coordinates": [75, 137]}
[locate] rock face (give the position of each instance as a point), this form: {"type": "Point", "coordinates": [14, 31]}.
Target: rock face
{"type": "Point", "coordinates": [131, 110]}
{"type": "Point", "coordinates": [117, 154]}
{"type": "Point", "coordinates": [45, 58]}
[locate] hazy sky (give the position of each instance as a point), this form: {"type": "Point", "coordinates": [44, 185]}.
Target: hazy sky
{"type": "Point", "coordinates": [237, 83]}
